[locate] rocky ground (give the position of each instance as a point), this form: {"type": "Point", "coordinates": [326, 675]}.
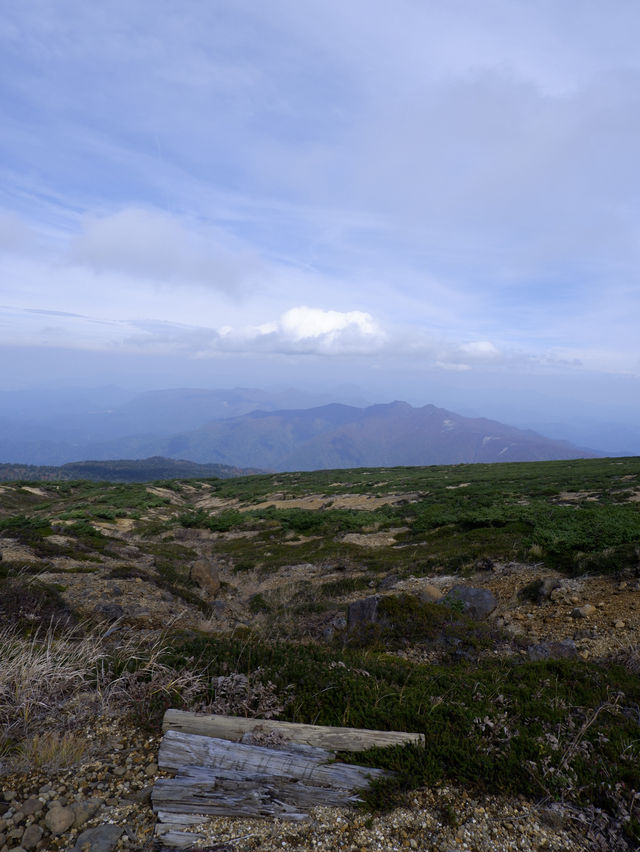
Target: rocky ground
{"type": "Point", "coordinates": [102, 801]}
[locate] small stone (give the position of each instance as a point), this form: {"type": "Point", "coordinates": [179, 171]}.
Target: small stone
{"type": "Point", "coordinates": [151, 769]}
{"type": "Point", "coordinates": [143, 796]}
{"type": "Point", "coordinates": [32, 836]}
{"type": "Point", "coordinates": [83, 811]}
{"type": "Point", "coordinates": [59, 819]}
{"type": "Point", "coordinates": [9, 795]}
{"type": "Point", "coordinates": [103, 838]}
{"type": "Point", "coordinates": [33, 805]}
{"type": "Point", "coordinates": [583, 611]}
{"type": "Point", "coordinates": [619, 624]}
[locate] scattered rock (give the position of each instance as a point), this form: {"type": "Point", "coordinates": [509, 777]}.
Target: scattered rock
{"type": "Point", "coordinates": [205, 574]}
{"type": "Point", "coordinates": [32, 836]}
{"type": "Point", "coordinates": [111, 611]}
{"type": "Point", "coordinates": [83, 811]}
{"type": "Point", "coordinates": [476, 603]}
{"type": "Point", "coordinates": [59, 819]}
{"type": "Point", "coordinates": [33, 805]}
{"type": "Point", "coordinates": [364, 611]}
{"type": "Point", "coordinates": [563, 650]}
{"type": "Point", "coordinates": [583, 611]}
{"type": "Point", "coordinates": [103, 838]}
{"type": "Point", "coordinates": [547, 587]}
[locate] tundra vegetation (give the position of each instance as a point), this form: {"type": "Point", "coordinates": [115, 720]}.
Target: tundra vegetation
{"type": "Point", "coordinates": [555, 729]}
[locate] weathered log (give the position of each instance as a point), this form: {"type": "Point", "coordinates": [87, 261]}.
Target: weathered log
{"type": "Point", "coordinates": [171, 837]}
{"type": "Point", "coordinates": [178, 750]}
{"type": "Point", "coordinates": [202, 790]}
{"type": "Point", "coordinates": [333, 739]}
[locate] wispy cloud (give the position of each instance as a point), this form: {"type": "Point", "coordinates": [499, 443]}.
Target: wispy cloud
{"type": "Point", "coordinates": [452, 184]}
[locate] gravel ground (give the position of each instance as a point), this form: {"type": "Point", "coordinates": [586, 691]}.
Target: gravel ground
{"type": "Point", "coordinates": [114, 781]}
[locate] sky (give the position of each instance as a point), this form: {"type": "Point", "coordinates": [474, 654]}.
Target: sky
{"type": "Point", "coordinates": [435, 199]}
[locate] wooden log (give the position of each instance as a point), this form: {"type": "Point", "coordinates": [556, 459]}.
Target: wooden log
{"type": "Point", "coordinates": [178, 750]}
{"type": "Point", "coordinates": [334, 739]}
{"type": "Point", "coordinates": [171, 838]}
{"type": "Point", "coordinates": [201, 790]}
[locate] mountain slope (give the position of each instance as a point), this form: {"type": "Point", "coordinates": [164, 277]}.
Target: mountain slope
{"type": "Point", "coordinates": [338, 436]}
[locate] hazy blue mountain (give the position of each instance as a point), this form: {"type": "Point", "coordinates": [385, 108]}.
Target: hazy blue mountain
{"type": "Point", "coordinates": [334, 436]}
{"type": "Point", "coordinates": [47, 427]}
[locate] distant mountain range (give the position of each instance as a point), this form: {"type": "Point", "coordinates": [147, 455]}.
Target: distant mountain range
{"type": "Point", "coordinates": [190, 425]}
{"type": "Point", "coordinates": [120, 470]}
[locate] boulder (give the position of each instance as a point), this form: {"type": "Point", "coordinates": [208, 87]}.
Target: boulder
{"type": "Point", "coordinates": [103, 838]}
{"type": "Point", "coordinates": [562, 650]}
{"type": "Point", "coordinates": [364, 611]}
{"type": "Point", "coordinates": [205, 574]}
{"type": "Point", "coordinates": [476, 603]}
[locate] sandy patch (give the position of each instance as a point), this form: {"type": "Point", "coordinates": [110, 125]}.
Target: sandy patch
{"type": "Point", "coordinates": [365, 502]}
{"type": "Point", "coordinates": [216, 503]}
{"type": "Point", "coordinates": [13, 552]}
{"type": "Point", "coordinates": [570, 497]}
{"type": "Point", "coordinates": [166, 494]}
{"type": "Point", "coordinates": [378, 539]}
{"type": "Point", "coordinates": [120, 525]}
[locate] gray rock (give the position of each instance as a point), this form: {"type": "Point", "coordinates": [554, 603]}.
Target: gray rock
{"type": "Point", "coordinates": [364, 611]}
{"type": "Point", "coordinates": [83, 811]}
{"type": "Point", "coordinates": [547, 586]}
{"type": "Point", "coordinates": [205, 574]}
{"type": "Point", "coordinates": [103, 838]}
{"type": "Point", "coordinates": [339, 622]}
{"type": "Point", "coordinates": [32, 836]}
{"type": "Point", "coordinates": [143, 796]}
{"type": "Point", "coordinates": [388, 582]}
{"type": "Point", "coordinates": [111, 611]}
{"type": "Point", "coordinates": [59, 819]}
{"type": "Point", "coordinates": [564, 650]}
{"type": "Point", "coordinates": [218, 609]}
{"type": "Point", "coordinates": [476, 603]}
{"type": "Point", "coordinates": [583, 611]}
{"type": "Point", "coordinates": [33, 805]}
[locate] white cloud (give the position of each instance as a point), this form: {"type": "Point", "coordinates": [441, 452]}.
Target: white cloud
{"type": "Point", "coordinates": [481, 349]}
{"type": "Point", "coordinates": [151, 244]}
{"type": "Point", "coordinates": [303, 322]}
{"type": "Point", "coordinates": [15, 234]}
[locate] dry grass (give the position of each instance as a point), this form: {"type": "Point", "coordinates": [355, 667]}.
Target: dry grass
{"type": "Point", "coordinates": [39, 673]}
{"type": "Point", "coordinates": [147, 686]}
{"type": "Point", "coordinates": [49, 750]}
{"type": "Point", "coordinates": [627, 654]}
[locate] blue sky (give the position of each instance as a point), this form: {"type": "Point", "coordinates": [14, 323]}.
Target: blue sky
{"type": "Point", "coordinates": [348, 191]}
